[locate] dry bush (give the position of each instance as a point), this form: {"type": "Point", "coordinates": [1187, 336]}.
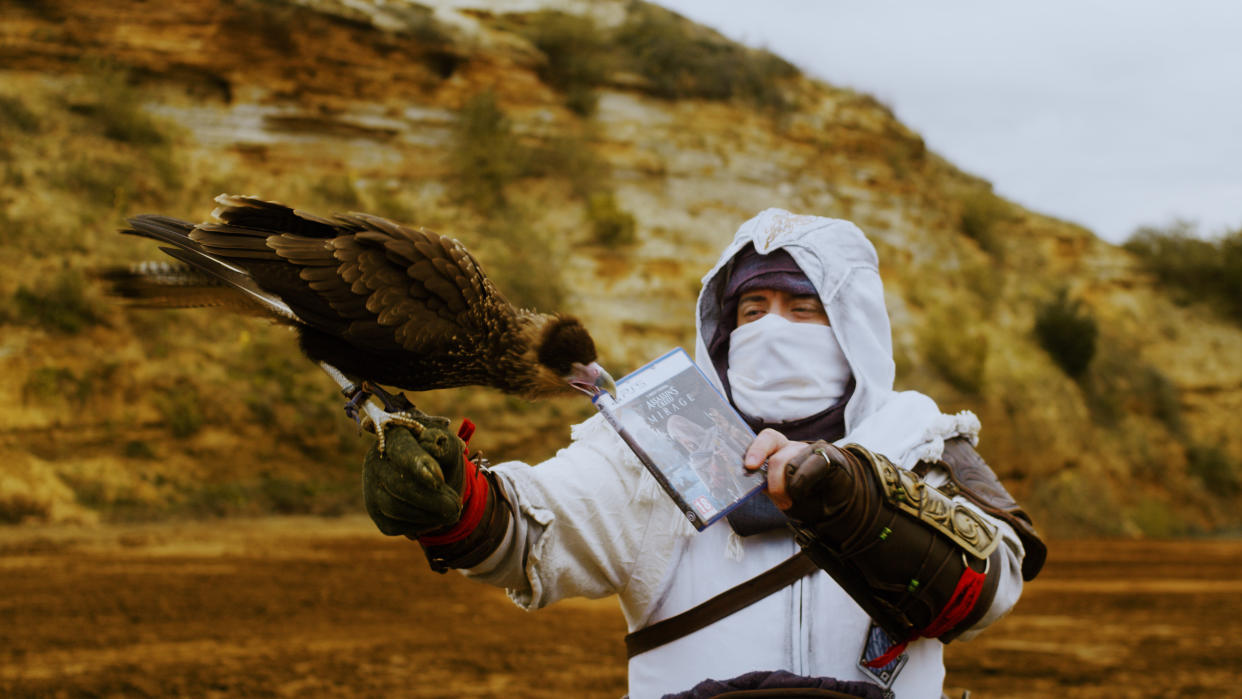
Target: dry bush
{"type": "Point", "coordinates": [71, 388]}
{"type": "Point", "coordinates": [1075, 504]}
{"type": "Point", "coordinates": [16, 508]}
{"type": "Point", "coordinates": [610, 224]}
{"type": "Point", "coordinates": [957, 350]}
{"type": "Point", "coordinates": [1156, 518]}
{"type": "Point", "coordinates": [59, 304]}
{"type": "Point", "coordinates": [267, 493]}
{"type": "Point", "coordinates": [1118, 386]}
{"type": "Point", "coordinates": [981, 212]}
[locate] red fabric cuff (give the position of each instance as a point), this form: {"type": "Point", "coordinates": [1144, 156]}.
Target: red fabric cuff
{"type": "Point", "coordinates": [474, 493]}
{"type": "Point", "coordinates": [959, 606]}
{"type": "Point", "coordinates": [969, 586]}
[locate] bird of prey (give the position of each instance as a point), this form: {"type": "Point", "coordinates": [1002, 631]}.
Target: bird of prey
{"type": "Point", "coordinates": [374, 303]}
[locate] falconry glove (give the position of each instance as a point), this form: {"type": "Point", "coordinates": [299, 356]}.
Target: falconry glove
{"type": "Point", "coordinates": [918, 562]}
{"type": "Point", "coordinates": [415, 487]}
{"type": "Point", "coordinates": [427, 488]}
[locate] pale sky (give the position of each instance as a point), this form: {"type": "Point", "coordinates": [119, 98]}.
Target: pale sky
{"type": "Point", "coordinates": [1111, 114]}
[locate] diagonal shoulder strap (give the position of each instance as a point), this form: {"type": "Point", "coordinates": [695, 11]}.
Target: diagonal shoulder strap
{"type": "Point", "coordinates": [720, 606]}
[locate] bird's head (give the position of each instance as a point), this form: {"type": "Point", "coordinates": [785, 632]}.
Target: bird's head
{"type": "Point", "coordinates": [566, 355]}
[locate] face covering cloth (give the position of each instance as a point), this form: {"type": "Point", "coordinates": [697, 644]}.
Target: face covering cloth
{"type": "Point", "coordinates": [781, 371]}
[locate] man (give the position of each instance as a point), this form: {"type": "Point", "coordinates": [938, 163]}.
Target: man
{"type": "Point", "coordinates": [792, 324]}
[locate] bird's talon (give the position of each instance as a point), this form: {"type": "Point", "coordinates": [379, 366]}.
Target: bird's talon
{"type": "Point", "coordinates": [407, 420]}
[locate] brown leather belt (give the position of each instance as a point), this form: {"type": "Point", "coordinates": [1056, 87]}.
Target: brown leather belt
{"type": "Point", "coordinates": [720, 606]}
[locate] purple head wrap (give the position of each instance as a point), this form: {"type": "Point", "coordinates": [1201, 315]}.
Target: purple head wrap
{"type": "Point", "coordinates": [776, 270]}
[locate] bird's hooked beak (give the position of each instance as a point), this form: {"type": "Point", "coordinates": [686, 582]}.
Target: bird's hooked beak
{"type": "Point", "coordinates": [591, 379]}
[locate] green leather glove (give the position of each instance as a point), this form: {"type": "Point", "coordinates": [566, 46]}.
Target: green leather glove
{"type": "Point", "coordinates": [415, 487]}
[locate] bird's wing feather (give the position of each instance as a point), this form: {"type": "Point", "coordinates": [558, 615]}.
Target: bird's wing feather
{"type": "Point", "coordinates": [270, 217]}
{"type": "Point", "coordinates": [393, 287]}
{"type": "Point", "coordinates": [364, 278]}
{"type": "Point", "coordinates": [427, 288]}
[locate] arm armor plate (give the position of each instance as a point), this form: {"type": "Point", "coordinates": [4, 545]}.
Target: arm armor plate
{"type": "Point", "coordinates": [973, 479]}
{"type": "Point", "coordinates": [919, 563]}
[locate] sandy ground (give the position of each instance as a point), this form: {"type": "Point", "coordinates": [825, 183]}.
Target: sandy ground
{"type": "Point", "coordinates": [313, 607]}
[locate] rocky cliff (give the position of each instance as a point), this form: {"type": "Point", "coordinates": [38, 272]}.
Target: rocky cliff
{"type": "Point", "coordinates": [597, 156]}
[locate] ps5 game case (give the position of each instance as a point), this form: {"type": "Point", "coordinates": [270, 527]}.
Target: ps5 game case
{"type": "Point", "coordinates": [686, 434]}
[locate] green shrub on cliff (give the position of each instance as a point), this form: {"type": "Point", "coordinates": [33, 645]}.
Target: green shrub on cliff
{"type": "Point", "coordinates": [486, 156]}
{"type": "Point", "coordinates": [60, 305]}
{"type": "Point", "coordinates": [676, 59]}
{"type": "Point", "coordinates": [610, 224]}
{"type": "Point", "coordinates": [958, 356]}
{"type": "Point", "coordinates": [1194, 268]}
{"type": "Point", "coordinates": [1067, 333]}
{"type": "Point", "coordinates": [577, 55]}
{"type": "Point", "coordinates": [15, 114]}
{"type": "Point", "coordinates": [523, 260]}
{"type": "Point", "coordinates": [116, 107]}
{"type": "Point", "coordinates": [660, 46]}
{"type": "Point", "coordinates": [981, 211]}
{"type": "Point", "coordinates": [1213, 467]}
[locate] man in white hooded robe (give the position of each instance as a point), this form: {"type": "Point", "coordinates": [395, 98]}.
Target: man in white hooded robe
{"type": "Point", "coordinates": [592, 522]}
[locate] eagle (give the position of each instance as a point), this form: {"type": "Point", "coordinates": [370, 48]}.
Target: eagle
{"type": "Point", "coordinates": [374, 303]}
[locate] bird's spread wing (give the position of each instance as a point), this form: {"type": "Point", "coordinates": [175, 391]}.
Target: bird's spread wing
{"type": "Point", "coordinates": [361, 277]}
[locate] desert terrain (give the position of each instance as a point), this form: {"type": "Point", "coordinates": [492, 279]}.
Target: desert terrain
{"type": "Point", "coordinates": [302, 606]}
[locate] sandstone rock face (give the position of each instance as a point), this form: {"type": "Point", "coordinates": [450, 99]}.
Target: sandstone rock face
{"type": "Point", "coordinates": [292, 99]}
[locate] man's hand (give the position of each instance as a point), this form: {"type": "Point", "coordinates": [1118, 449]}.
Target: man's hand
{"type": "Point", "coordinates": [778, 451]}
{"type": "Point", "coordinates": [799, 474]}
{"type": "Point", "coordinates": [415, 486]}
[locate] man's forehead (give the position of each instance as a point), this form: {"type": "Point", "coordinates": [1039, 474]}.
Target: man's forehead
{"type": "Point", "coordinates": [763, 292]}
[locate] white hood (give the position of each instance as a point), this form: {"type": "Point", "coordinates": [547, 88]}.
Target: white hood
{"type": "Point", "coordinates": [842, 264]}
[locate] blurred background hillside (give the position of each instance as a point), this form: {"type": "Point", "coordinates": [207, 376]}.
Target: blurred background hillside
{"type": "Point", "coordinates": [596, 157]}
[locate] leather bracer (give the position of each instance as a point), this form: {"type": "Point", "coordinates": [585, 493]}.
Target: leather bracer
{"type": "Point", "coordinates": [917, 562]}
